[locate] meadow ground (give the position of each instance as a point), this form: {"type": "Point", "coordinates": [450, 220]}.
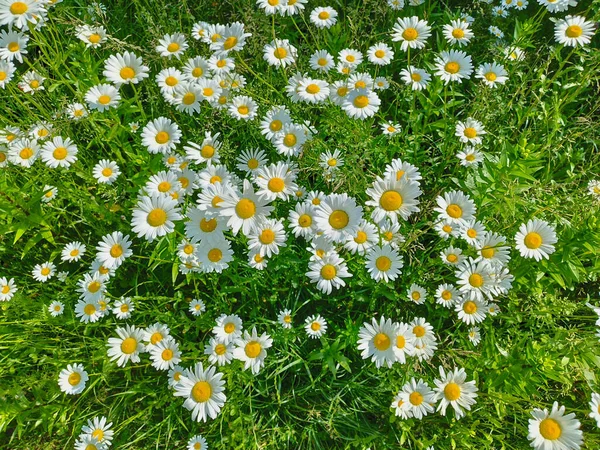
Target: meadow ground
{"type": "Point", "coordinates": [537, 160]}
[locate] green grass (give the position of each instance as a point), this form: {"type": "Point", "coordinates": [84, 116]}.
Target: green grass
{"type": "Point", "coordinates": [541, 151]}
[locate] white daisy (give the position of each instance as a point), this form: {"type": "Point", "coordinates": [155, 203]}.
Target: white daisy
{"type": "Point", "coordinates": [251, 349]}
{"type": "Point", "coordinates": [453, 65]}
{"type": "Point", "coordinates": [392, 198]}
{"type": "Point", "coordinates": [197, 307]}
{"type": "Point", "coordinates": [573, 31]}
{"type": "Point", "coordinates": [102, 97]}
{"type": "Point", "coordinates": [172, 45]}
{"type": "Point", "coordinates": [113, 250]}
{"type": "Point", "coordinates": [337, 216]}
{"type": "Point", "coordinates": [56, 308]}
{"type": "Point", "coordinates": [218, 352]}
{"type": "Point", "coordinates": [123, 308]}
{"type": "Point", "coordinates": [412, 32]}
{"type": "Point", "coordinates": [106, 171]}
{"type": "Point", "coordinates": [323, 17]}
{"type": "Point", "coordinates": [384, 263]}
{"type": "Point", "coordinates": [161, 135]}
{"type": "Point", "coordinates": [127, 347]}
{"type": "Point", "coordinates": [73, 251]}
{"type": "Point", "coordinates": [228, 328]}
{"type": "Point", "coordinates": [153, 217]}
{"type": "Point", "coordinates": [328, 272]}
{"type": "Point", "coordinates": [453, 390]}
{"type": "Point", "coordinates": [536, 239]}
{"type": "Point", "coordinates": [203, 391]}
{"type": "Point", "coordinates": [361, 103]}
{"type": "Point", "coordinates": [285, 318]}
{"type": "Point", "coordinates": [377, 340]}
{"type": "Point", "coordinates": [244, 210]}
{"type": "Point", "coordinates": [72, 380]}
{"type": "Point", "coordinates": [126, 68]}
{"type": "Point", "coordinates": [554, 430]}
{"type": "Point", "coordinates": [315, 326]}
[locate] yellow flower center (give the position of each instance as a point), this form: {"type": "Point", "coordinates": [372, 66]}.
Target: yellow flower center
{"type": "Point", "coordinates": [162, 137]}
{"type": "Point", "coordinates": [229, 328]}
{"type": "Point", "coordinates": [197, 72]}
{"type": "Point", "coordinates": [245, 208]}
{"type": "Point", "coordinates": [167, 354]}
{"type": "Point", "coordinates": [447, 295]}
{"type": "Point", "coordinates": [276, 184]}
{"type": "Point", "coordinates": [454, 211]}
{"type": "Point", "coordinates": [574, 31]}
{"type": "Point", "coordinates": [339, 219]}
{"type": "Point", "coordinates": [59, 153]}
{"type": "Point", "coordinates": [415, 295]}
{"type": "Point", "coordinates": [252, 349]}
{"type": "Point", "coordinates": [452, 391]}
{"type": "Point", "coordinates": [280, 53]}
{"type": "Point", "coordinates": [533, 240]}
{"type": "Point", "coordinates": [415, 398]}
{"type": "Point", "coordinates": [458, 33]}
{"type": "Point", "coordinates": [215, 178]}
{"type": "Point", "coordinates": [470, 132]}
{"type": "Point", "coordinates": [215, 255]}
{"type": "Point", "coordinates": [379, 53]}
{"type": "Point", "coordinates": [220, 349]}
{"type": "Point", "coordinates": [91, 447]}
{"type": "Point", "coordinates": [164, 186]}
{"type": "Point", "coordinates": [127, 73]}
{"type": "Point", "coordinates": [410, 34]}
{"type": "Point", "coordinates": [488, 252]}
{"type": "Point", "coordinates": [383, 263]}
{"type": "Point", "coordinates": [419, 331]}
{"type": "Point", "coordinates": [452, 67]}
{"type": "Point", "coordinates": [328, 272]}
{"type": "Point", "coordinates": [173, 47]}
{"type": "Point", "coordinates": [98, 434]}
{"type": "Point", "coordinates": [400, 341]}
{"type": "Point", "coordinates": [155, 338]}
{"type": "Point", "coordinates": [13, 46]}
{"type": "Point", "coordinates": [129, 345]}
{"type": "Point", "coordinates": [18, 8]}
{"type": "Point", "coordinates": [290, 140]}
{"type": "Point", "coordinates": [2, 77]}
{"type": "Point", "coordinates": [322, 62]}
{"type": "Point", "coordinates": [116, 250]}
{"type": "Point", "coordinates": [208, 226]}
{"type": "Point", "coordinates": [490, 76]}
{"type": "Point", "coordinates": [188, 99]}
{"type": "Point", "coordinates": [45, 271]}
{"type": "Point", "coordinates": [361, 101]}
{"type": "Point", "coordinates": [550, 429]}
{"type": "Point", "coordinates": [361, 237]}
{"type": "Point", "coordinates": [287, 319]}
{"type": "Point", "coordinates": [171, 81]}
{"type": "Point", "coordinates": [215, 201]}
{"type": "Point", "coordinates": [201, 391]}
{"type": "Point", "coordinates": [26, 153]}
{"type": "Point", "coordinates": [323, 15]}
{"type": "Point", "coordinates": [390, 201]}
{"type": "Point", "coordinates": [343, 91]}
{"type": "Point", "coordinates": [266, 237]}
{"type": "Point", "coordinates": [104, 99]}
{"type": "Point", "coordinates": [5, 289]}
{"type": "Point", "coordinates": [470, 307]}
{"type": "Point", "coordinates": [124, 308]}
{"type": "Point", "coordinates": [230, 42]}
{"type": "Point", "coordinates": [360, 84]}
{"type": "Point", "coordinates": [472, 233]}
{"type": "Point", "coordinates": [94, 287]}
{"type": "Point", "coordinates": [243, 110]}
{"type": "Point", "coordinates": [107, 172]}
{"type": "Point", "coordinates": [188, 249]}
{"type": "Point", "coordinates": [94, 38]}
{"type": "Point", "coordinates": [381, 341]}
{"type": "Point", "coordinates": [74, 379]}
{"type": "Point", "coordinates": [157, 217]}
{"type": "Point", "coordinates": [315, 326]}
{"type": "Point", "coordinates": [313, 89]}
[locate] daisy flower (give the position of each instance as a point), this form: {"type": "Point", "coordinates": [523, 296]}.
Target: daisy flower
{"type": "Point", "coordinates": [59, 152]}
{"type": "Point", "coordinates": [495, 31]}
{"type": "Point", "coordinates": [403, 342]}
{"type": "Point", "coordinates": [161, 135]}
{"type": "Point", "coordinates": [412, 32]}
{"type": "Point", "coordinates": [594, 189]}
{"type": "Point", "coordinates": [73, 251]}
{"type": "Point", "coordinates": [197, 307]}
{"type": "Point", "coordinates": [196, 69]}
{"type": "Point", "coordinates": [425, 340]}
{"type": "Point", "coordinates": [251, 349]}
{"type": "Point", "coordinates": [275, 181]}
{"type": "Point", "coordinates": [554, 6]}
{"type": "Point", "coordinates": [418, 398]}
{"type": "Point", "coordinates": [13, 45]}
{"type": "Point", "coordinates": [458, 32]}
{"type": "Point", "coordinates": [361, 103]}
{"type": "Point", "coordinates": [573, 31]}
{"type": "Point", "coordinates": [384, 263]}
{"type": "Point", "coordinates": [536, 239]}
{"type": "Point", "coordinates": [321, 61]}
{"type": "Point", "coordinates": [153, 217]}
{"type": "Point", "coordinates": [126, 68]}
{"type": "Point", "coordinates": [554, 430]}
{"type": "Point", "coordinates": [127, 347]}
{"type": "Point", "coordinates": [88, 442]}
{"type": "Point", "coordinates": [474, 335]}
{"type": "Point", "coordinates": [447, 295]}
{"type": "Point", "coordinates": [72, 380]}
{"type": "Point", "coordinates": [19, 13]}
{"type": "Point", "coordinates": [472, 231]}
{"type": "Point", "coordinates": [398, 169]}
{"type": "Point", "coordinates": [331, 161]}
{"type": "Point", "coordinates": [452, 389]}
{"type": "Point", "coordinates": [24, 152]}
{"type": "Point", "coordinates": [203, 391]}
{"type": "Point", "coordinates": [417, 294]}
{"type": "Point", "coordinates": [197, 443]}
{"type": "Point", "coordinates": [313, 91]}
{"type": "Point", "coordinates": [390, 129]}
{"type": "Point", "coordinates": [165, 354]}
{"type": "Point", "coordinates": [337, 216]}
{"type": "Point", "coordinates": [168, 79]}
{"type": "Point", "coordinates": [43, 272]}
{"type": "Point", "coordinates": [92, 36]}
{"type": "Point", "coordinates": [273, 122]}
{"type": "Point", "coordinates": [475, 279]}
{"type": "Point", "coordinates": [202, 226]}
{"type": "Point", "coordinates": [251, 160]}
{"type": "Point", "coordinates": [285, 318]}
{"type": "Point", "coordinates": [106, 171]}
{"type": "Point", "coordinates": [123, 308]}
{"type": "Point", "coordinates": [214, 255]}
{"type": "Point", "coordinates": [376, 341]}
{"type": "Point", "coordinates": [218, 352]}
{"type": "Point", "coordinates": [380, 54]}
{"type": "Point", "coordinates": [455, 207]}
{"type": "Point", "coordinates": [470, 157]}
{"type": "Point", "coordinates": [595, 407]}
{"type": "Point", "coordinates": [302, 220]}
{"type": "Point", "coordinates": [267, 237]}
{"type": "Point", "coordinates": [7, 289]}
{"type": "Point", "coordinates": [56, 308]}
{"type": "Point", "coordinates": [328, 272]}
{"type": "Point", "coordinates": [290, 140]}
{"type": "Point", "coordinates": [232, 38]}
{"type": "Point", "coordinates": [113, 250]}
{"type": "Point", "coordinates": [392, 198]}
{"type": "Point", "coordinates": [76, 111]}
{"type": "Point", "coordinates": [470, 131]}
{"type": "Point", "coordinates": [471, 310]}
{"type": "Point", "coordinates": [88, 310]}
{"type": "Point", "coordinates": [243, 107]}
{"type": "Point", "coordinates": [323, 17]}
{"type": "Point", "coordinates": [363, 239]}
{"type": "Point", "coordinates": [492, 249]}
{"type": "Point", "coordinates": [172, 45]}
{"type": "Point", "coordinates": [381, 83]}
{"type": "Point", "coordinates": [206, 152]}
{"type": "Point", "coordinates": [228, 328]}
{"type": "Point", "coordinates": [315, 326]}
{"type": "Point", "coordinates": [279, 53]}
{"type": "Point", "coordinates": [102, 97]}
{"type": "Point", "coordinates": [244, 210]}
{"type": "Point", "coordinates": [99, 429]}
{"type": "Point", "coordinates": [453, 65]}
{"type": "Point", "coordinates": [7, 72]}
